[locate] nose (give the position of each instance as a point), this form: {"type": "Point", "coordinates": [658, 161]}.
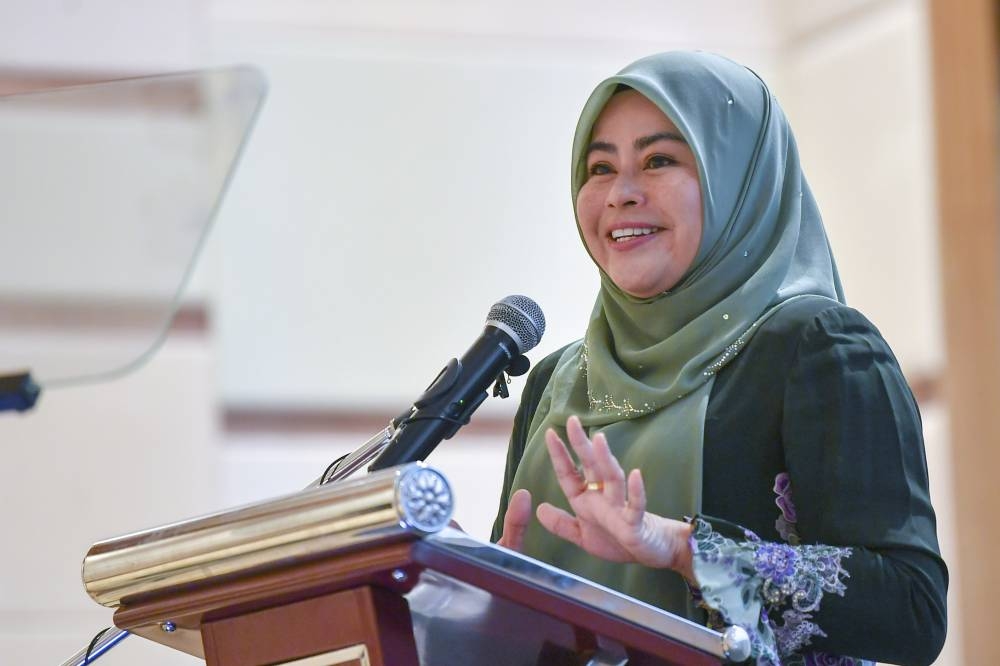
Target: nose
{"type": "Point", "coordinates": [625, 191]}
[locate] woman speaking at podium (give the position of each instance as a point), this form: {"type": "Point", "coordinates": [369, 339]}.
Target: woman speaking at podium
{"type": "Point", "coordinates": [729, 441]}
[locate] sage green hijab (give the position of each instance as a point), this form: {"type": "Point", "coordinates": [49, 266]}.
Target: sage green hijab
{"type": "Point", "coordinates": [645, 368]}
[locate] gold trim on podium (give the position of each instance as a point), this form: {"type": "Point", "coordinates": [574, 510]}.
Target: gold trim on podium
{"type": "Point", "coordinates": [279, 532]}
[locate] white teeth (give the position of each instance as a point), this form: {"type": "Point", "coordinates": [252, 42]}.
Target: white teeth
{"type": "Point", "coordinates": [619, 234]}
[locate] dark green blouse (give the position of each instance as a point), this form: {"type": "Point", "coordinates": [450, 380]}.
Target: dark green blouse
{"type": "Point", "coordinates": [818, 398]}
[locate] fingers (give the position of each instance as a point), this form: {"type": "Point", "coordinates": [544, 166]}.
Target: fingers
{"type": "Point", "coordinates": [608, 471]}
{"type": "Point", "coordinates": [560, 523]}
{"type": "Point", "coordinates": [581, 444]}
{"type": "Point", "coordinates": [567, 475]}
{"type": "Point", "coordinates": [636, 506]}
{"type": "Point", "coordinates": [515, 521]}
{"type": "Point", "coordinates": [599, 464]}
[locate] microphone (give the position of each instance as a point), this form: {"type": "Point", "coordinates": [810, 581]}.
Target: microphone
{"type": "Point", "coordinates": [513, 326]}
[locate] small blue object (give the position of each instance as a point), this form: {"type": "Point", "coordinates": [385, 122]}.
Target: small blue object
{"type": "Point", "coordinates": [18, 392]}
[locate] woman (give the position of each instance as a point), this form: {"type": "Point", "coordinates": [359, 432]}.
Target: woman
{"type": "Point", "coordinates": [721, 367]}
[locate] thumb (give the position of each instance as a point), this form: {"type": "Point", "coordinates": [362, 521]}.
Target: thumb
{"type": "Point", "coordinates": [515, 521]}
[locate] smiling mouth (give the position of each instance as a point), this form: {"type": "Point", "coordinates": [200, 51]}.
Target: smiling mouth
{"type": "Point", "coordinates": [628, 234]}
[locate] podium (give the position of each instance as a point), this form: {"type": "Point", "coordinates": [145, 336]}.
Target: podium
{"type": "Point", "coordinates": [368, 572]}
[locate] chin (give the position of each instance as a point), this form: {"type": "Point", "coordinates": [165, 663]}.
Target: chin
{"type": "Point", "coordinates": [644, 294]}
{"type": "Point", "coordinates": [643, 283]}
{"type": "Point", "coordinates": [638, 291]}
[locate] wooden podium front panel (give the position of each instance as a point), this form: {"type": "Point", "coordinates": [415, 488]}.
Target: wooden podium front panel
{"type": "Point", "coordinates": [369, 616]}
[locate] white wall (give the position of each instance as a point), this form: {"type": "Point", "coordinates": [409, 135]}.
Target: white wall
{"type": "Point", "coordinates": [93, 463]}
{"type": "Point", "coordinates": [399, 185]}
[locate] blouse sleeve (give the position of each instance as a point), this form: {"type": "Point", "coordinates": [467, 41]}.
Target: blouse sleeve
{"type": "Point", "coordinates": [861, 574]}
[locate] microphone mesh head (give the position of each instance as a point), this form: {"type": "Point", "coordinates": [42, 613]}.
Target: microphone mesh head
{"type": "Point", "coordinates": [520, 317]}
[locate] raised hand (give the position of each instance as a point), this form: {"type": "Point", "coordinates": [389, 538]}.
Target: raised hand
{"type": "Point", "coordinates": [609, 518]}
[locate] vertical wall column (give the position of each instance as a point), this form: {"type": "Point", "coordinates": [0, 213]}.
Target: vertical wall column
{"type": "Point", "coordinates": [967, 89]}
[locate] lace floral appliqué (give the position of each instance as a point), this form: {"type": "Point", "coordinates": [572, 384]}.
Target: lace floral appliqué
{"type": "Point", "coordinates": [824, 659]}
{"type": "Point", "coordinates": [770, 589]}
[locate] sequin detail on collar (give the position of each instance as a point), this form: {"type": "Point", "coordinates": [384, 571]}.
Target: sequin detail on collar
{"type": "Point", "coordinates": [607, 403]}
{"type": "Point", "coordinates": [624, 408]}
{"type": "Point", "coordinates": [730, 352]}
{"type": "Point", "coordinates": [584, 357]}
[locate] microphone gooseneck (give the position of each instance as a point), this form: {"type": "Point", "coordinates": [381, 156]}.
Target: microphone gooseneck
{"type": "Point", "coordinates": [513, 326]}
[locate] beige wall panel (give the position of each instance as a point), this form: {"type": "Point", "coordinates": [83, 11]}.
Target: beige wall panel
{"type": "Point", "coordinates": [966, 93]}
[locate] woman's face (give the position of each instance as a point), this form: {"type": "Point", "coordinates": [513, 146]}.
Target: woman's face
{"type": "Point", "coordinates": [640, 208]}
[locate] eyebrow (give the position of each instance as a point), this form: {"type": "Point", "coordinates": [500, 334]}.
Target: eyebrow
{"type": "Point", "coordinates": [646, 141]}
{"type": "Point", "coordinates": [641, 143]}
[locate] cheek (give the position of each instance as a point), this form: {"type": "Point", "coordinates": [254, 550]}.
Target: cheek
{"type": "Point", "coordinates": [695, 213]}
{"type": "Point", "coordinates": [691, 217]}
{"type": "Point", "coordinates": [588, 212]}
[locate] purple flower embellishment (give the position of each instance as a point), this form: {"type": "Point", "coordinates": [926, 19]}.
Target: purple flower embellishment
{"type": "Point", "coordinates": [783, 489]}
{"type": "Point", "coordinates": [782, 483]}
{"type": "Point", "coordinates": [786, 521]}
{"type": "Point", "coordinates": [776, 561]}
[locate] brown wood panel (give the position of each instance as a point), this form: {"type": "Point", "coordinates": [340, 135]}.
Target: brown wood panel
{"type": "Point", "coordinates": [98, 315]}
{"type": "Point", "coordinates": [966, 89]}
{"type": "Point", "coordinates": [376, 618]}
{"type": "Point", "coordinates": [361, 421]}
{"type": "Point", "coordinates": [178, 97]}
{"type": "Point", "coordinates": [14, 81]}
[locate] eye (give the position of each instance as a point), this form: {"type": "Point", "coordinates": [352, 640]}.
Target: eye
{"type": "Point", "coordinates": [599, 169]}
{"type": "Point", "coordinates": [659, 161]}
